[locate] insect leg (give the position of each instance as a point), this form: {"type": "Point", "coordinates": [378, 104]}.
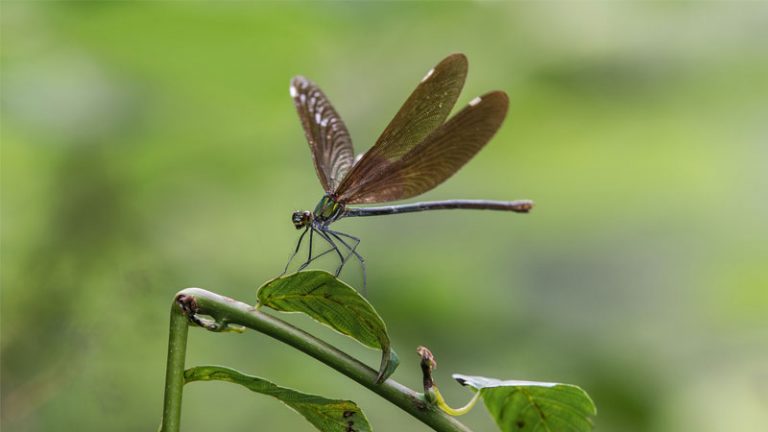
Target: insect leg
{"type": "Point", "coordinates": [313, 258]}
{"type": "Point", "coordinates": [352, 251]}
{"type": "Point", "coordinates": [351, 237]}
{"type": "Point", "coordinates": [309, 255]}
{"type": "Point", "coordinates": [310, 258]}
{"type": "Point", "coordinates": [298, 245]}
{"type": "Point", "coordinates": [324, 234]}
{"type": "Point", "coordinates": [320, 255]}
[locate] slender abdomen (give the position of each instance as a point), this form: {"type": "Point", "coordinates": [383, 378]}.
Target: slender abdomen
{"type": "Point", "coordinates": [520, 206]}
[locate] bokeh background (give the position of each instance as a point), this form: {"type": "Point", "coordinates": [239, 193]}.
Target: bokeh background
{"type": "Point", "coordinates": [148, 147]}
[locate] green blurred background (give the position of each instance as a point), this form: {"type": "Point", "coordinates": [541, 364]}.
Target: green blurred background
{"type": "Point", "coordinates": [148, 147]}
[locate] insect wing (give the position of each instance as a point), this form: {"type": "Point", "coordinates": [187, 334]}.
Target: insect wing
{"type": "Point", "coordinates": [326, 133]}
{"type": "Point", "coordinates": [437, 157]}
{"type": "Point", "coordinates": [424, 111]}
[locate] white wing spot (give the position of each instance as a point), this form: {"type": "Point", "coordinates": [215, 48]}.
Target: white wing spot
{"type": "Point", "coordinates": [429, 74]}
{"type": "Point", "coordinates": [293, 91]}
{"type": "Point", "coordinates": [475, 101]}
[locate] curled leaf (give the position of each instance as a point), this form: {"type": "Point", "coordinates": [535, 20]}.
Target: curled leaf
{"type": "Point", "coordinates": [331, 302]}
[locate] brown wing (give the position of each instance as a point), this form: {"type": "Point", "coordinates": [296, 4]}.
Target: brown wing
{"type": "Point", "coordinates": [326, 133]}
{"type": "Point", "coordinates": [436, 158]}
{"type": "Point", "coordinates": [426, 109]}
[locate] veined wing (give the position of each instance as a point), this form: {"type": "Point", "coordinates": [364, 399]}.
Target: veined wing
{"type": "Point", "coordinates": [326, 133]}
{"type": "Point", "coordinates": [424, 111]}
{"type": "Point", "coordinates": [435, 159]}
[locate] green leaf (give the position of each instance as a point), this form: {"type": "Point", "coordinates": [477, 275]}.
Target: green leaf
{"type": "Point", "coordinates": [326, 415]}
{"type": "Point", "coordinates": [333, 303]}
{"type": "Point", "coordinates": [534, 406]}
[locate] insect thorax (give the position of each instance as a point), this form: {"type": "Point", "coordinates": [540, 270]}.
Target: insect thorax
{"type": "Point", "coordinates": [328, 210]}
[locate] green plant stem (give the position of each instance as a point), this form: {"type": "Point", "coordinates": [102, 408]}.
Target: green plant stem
{"type": "Point", "coordinates": [226, 311]}
{"type": "Point", "coordinates": [174, 372]}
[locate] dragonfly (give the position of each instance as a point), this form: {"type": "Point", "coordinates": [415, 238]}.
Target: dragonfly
{"type": "Point", "coordinates": [417, 151]}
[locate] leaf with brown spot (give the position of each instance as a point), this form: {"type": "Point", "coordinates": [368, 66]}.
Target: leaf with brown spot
{"type": "Point", "coordinates": [327, 415]}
